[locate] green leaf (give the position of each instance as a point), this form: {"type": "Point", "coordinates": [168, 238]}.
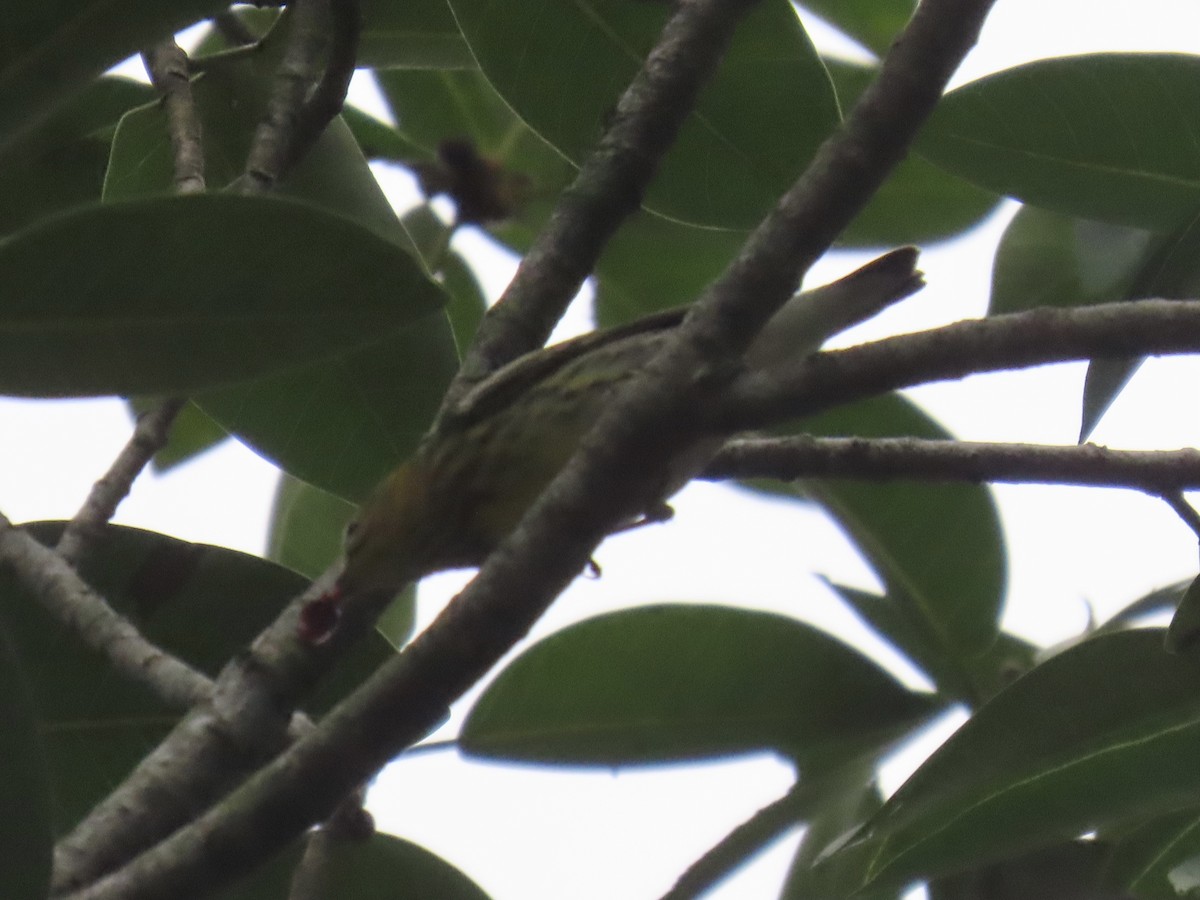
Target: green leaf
{"type": "Point", "coordinates": [1071, 871]}
{"type": "Point", "coordinates": [467, 301]}
{"type": "Point", "coordinates": [373, 869]}
{"type": "Point", "coordinates": [201, 603]}
{"type": "Point", "coordinates": [676, 682]}
{"type": "Point", "coordinates": [918, 203]}
{"type": "Point", "coordinates": [1105, 732]}
{"type": "Point", "coordinates": [61, 163]}
{"type": "Point", "coordinates": [1184, 630]}
{"type": "Point", "coordinates": [872, 23]}
{"type": "Point", "coordinates": [653, 263]}
{"type": "Point", "coordinates": [342, 423]}
{"type": "Point", "coordinates": [26, 836]}
{"type": "Point", "coordinates": [938, 548]}
{"type": "Point", "coordinates": [230, 100]}
{"type": "Point", "coordinates": [1160, 859]}
{"type": "Point", "coordinates": [51, 51]}
{"type": "Point", "coordinates": [840, 813]}
{"type": "Point", "coordinates": [169, 295]}
{"type": "Point", "coordinates": [380, 867]}
{"type": "Point", "coordinates": [562, 67]}
{"type": "Point", "coordinates": [307, 525]}
{"type": "Point", "coordinates": [974, 679]}
{"type": "Point", "coordinates": [1095, 136]}
{"type": "Point", "coordinates": [1170, 270]}
{"type": "Point", "coordinates": [414, 34]}
{"type": "Point", "coordinates": [379, 140]}
{"type": "Point", "coordinates": [1051, 259]}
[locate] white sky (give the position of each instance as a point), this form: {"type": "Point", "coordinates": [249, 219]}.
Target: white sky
{"type": "Point", "coordinates": [526, 833]}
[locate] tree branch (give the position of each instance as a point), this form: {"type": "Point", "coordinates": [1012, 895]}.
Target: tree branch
{"type": "Point", "coordinates": [298, 112]}
{"type": "Point", "coordinates": [248, 720]}
{"type": "Point", "coordinates": [1011, 341]}
{"type": "Point", "coordinates": [167, 66]}
{"type": "Point", "coordinates": [888, 459]}
{"type": "Point", "coordinates": [97, 626]}
{"type": "Point", "coordinates": [846, 172]}
{"type": "Point", "coordinates": [609, 187]}
{"type": "Point", "coordinates": [150, 435]}
{"type": "Point", "coordinates": [767, 824]}
{"type": "Point", "coordinates": [328, 97]}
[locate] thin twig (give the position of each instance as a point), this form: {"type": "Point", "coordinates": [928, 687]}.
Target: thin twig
{"type": "Point", "coordinates": [167, 66]}
{"type": "Point", "coordinates": [1183, 509]}
{"type": "Point", "coordinates": [889, 459]}
{"type": "Point", "coordinates": [326, 100]}
{"type": "Point", "coordinates": [764, 826]}
{"type": "Point", "coordinates": [608, 188]}
{"type": "Point", "coordinates": [150, 435]}
{"type": "Point", "coordinates": [300, 105]}
{"type": "Point", "coordinates": [86, 614]}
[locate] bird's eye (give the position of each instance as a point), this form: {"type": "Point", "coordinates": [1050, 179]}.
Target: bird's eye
{"type": "Point", "coordinates": [351, 528]}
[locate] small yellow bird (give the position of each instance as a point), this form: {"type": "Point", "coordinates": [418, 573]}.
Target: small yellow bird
{"type": "Point", "coordinates": [474, 476]}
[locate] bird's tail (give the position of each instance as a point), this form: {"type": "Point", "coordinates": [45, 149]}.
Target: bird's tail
{"type": "Point", "coordinates": [806, 321]}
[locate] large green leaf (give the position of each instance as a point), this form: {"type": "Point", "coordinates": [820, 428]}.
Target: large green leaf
{"type": "Point", "coordinates": [938, 548]}
{"type": "Point", "coordinates": [675, 682]}
{"type": "Point", "coordinates": [26, 835]}
{"type": "Point", "coordinates": [380, 867]}
{"type": "Point", "coordinates": [563, 65]}
{"type": "Point", "coordinates": [199, 602]}
{"type": "Point", "coordinates": [374, 869]}
{"type": "Point", "coordinates": [61, 163]}
{"type": "Point", "coordinates": [53, 49]}
{"type": "Point", "coordinates": [972, 678]}
{"type": "Point", "coordinates": [1075, 870]}
{"type": "Point", "coordinates": [377, 139]}
{"type": "Point", "coordinates": [342, 423]}
{"type": "Point", "coordinates": [653, 263]}
{"type": "Point", "coordinates": [840, 813]}
{"type": "Point", "coordinates": [177, 293]}
{"type": "Point", "coordinates": [918, 203]}
{"type": "Point", "coordinates": [307, 525]}
{"type": "Point", "coordinates": [1104, 732]}
{"type": "Point", "coordinates": [1096, 136]}
{"type": "Point", "coordinates": [230, 100]}
{"type": "Point", "coordinates": [467, 301]}
{"type": "Point", "coordinates": [1160, 859]}
{"type": "Point", "coordinates": [411, 34]}
{"type": "Point", "coordinates": [1052, 259]}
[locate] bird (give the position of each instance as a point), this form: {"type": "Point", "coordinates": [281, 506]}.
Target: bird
{"type": "Point", "coordinates": [486, 460]}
